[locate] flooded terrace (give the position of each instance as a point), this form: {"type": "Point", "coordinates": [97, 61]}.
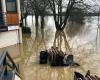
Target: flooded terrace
{"type": "Point", "coordinates": [82, 40]}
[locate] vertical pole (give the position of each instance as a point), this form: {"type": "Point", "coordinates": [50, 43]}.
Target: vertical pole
{"type": "Point", "coordinates": [97, 35]}
{"type": "Point", "coordinates": [4, 11]}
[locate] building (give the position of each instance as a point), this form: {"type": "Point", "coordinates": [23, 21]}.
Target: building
{"type": "Point", "coordinates": [10, 31]}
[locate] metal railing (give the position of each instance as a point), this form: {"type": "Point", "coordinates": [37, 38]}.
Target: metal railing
{"type": "Point", "coordinates": [7, 64]}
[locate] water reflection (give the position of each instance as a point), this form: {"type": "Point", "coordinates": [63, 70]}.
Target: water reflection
{"type": "Point", "coordinates": [54, 73]}
{"type": "Point", "coordinates": [81, 35]}
{"type": "Point", "coordinates": [73, 29]}
{"type": "Point", "coordinates": [60, 39]}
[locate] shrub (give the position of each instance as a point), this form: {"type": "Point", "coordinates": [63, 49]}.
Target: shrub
{"type": "Point", "coordinates": [26, 30]}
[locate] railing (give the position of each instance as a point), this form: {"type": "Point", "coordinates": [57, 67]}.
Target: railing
{"type": "Point", "coordinates": [7, 65]}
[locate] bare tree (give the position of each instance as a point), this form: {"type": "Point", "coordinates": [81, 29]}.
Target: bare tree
{"type": "Point", "coordinates": [39, 7]}
{"type": "Point", "coordinates": [25, 10]}
{"type": "Point", "coordinates": [57, 7]}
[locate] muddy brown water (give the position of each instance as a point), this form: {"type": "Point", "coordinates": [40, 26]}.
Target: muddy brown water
{"type": "Point", "coordinates": [27, 54]}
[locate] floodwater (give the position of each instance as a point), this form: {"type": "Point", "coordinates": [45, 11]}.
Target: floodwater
{"type": "Point", "coordinates": [81, 38]}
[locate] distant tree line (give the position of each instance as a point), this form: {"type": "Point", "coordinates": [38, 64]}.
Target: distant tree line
{"type": "Point", "coordinates": [61, 10]}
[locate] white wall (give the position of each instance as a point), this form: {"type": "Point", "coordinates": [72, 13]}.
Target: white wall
{"type": "Point", "coordinates": [8, 38]}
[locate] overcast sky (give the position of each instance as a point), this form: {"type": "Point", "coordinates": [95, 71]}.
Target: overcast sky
{"type": "Point", "coordinates": [94, 3]}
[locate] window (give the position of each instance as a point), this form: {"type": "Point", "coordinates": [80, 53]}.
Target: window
{"type": "Point", "coordinates": [11, 6]}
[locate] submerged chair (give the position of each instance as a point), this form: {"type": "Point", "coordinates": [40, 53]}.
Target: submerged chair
{"type": "Point", "coordinates": [88, 76]}
{"type": "Point", "coordinates": [43, 57]}
{"type": "Point", "coordinates": [78, 76]}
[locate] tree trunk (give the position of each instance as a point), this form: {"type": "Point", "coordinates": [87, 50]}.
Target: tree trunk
{"type": "Point", "coordinates": [37, 31]}
{"type": "Point", "coordinates": [32, 20]}
{"type": "Point", "coordinates": [25, 21]}
{"type": "Point", "coordinates": [42, 22]}
{"type": "Point", "coordinates": [36, 20]}
{"type": "Point", "coordinates": [67, 14]}
{"type": "Point", "coordinates": [21, 22]}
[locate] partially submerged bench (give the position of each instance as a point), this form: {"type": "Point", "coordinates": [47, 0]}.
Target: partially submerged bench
{"type": "Point", "coordinates": [56, 57]}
